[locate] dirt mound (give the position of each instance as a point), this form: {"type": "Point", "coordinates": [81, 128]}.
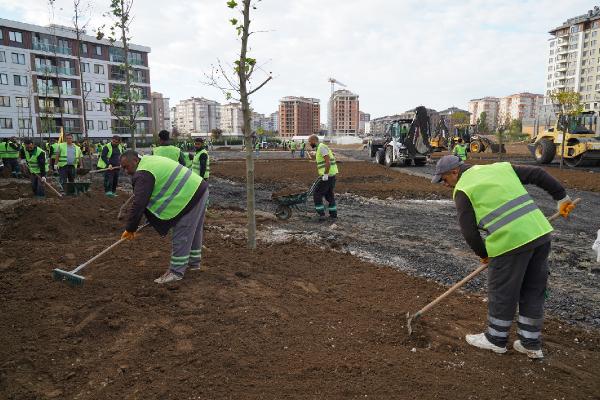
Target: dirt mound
{"type": "Point", "coordinates": [15, 189]}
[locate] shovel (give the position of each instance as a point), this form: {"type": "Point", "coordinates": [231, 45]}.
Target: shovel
{"type": "Point", "coordinates": [77, 280]}
{"type": "Point", "coordinates": [466, 279]}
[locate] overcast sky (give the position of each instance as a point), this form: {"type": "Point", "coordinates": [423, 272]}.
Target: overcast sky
{"type": "Point", "coordinates": [396, 54]}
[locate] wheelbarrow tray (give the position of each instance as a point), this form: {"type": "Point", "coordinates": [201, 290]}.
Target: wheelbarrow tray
{"type": "Point", "coordinates": [74, 188]}
{"type": "Point", "coordinates": [291, 199]}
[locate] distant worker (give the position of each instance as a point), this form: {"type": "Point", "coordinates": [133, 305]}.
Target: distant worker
{"type": "Point", "coordinates": [257, 148]}
{"type": "Point", "coordinates": [110, 157]}
{"type": "Point", "coordinates": [170, 196]}
{"type": "Point", "coordinates": [165, 149]}
{"type": "Point", "coordinates": [302, 149]}
{"type": "Point", "coordinates": [293, 148]}
{"type": "Point", "coordinates": [9, 152]}
{"type": "Point", "coordinates": [460, 150]}
{"type": "Point", "coordinates": [201, 161]}
{"type": "Point", "coordinates": [68, 157]}
{"type": "Point", "coordinates": [35, 159]}
{"type": "Point", "coordinates": [52, 150]}
{"type": "Point", "coordinates": [327, 170]}
{"type": "Point", "coordinates": [492, 198]}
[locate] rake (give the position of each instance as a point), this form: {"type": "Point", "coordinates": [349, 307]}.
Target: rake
{"type": "Point", "coordinates": [72, 278]}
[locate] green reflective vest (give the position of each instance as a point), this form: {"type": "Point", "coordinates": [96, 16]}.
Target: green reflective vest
{"type": "Point", "coordinates": [174, 186]}
{"type": "Point", "coordinates": [7, 151]}
{"type": "Point", "coordinates": [460, 150]}
{"type": "Point", "coordinates": [502, 206]}
{"type": "Point", "coordinates": [171, 152]}
{"type": "Point", "coordinates": [62, 154]}
{"type": "Point", "coordinates": [101, 164]}
{"type": "Point", "coordinates": [196, 163]}
{"type": "Point", "coordinates": [32, 162]}
{"type": "Point", "coordinates": [53, 148]}
{"type": "Point", "coordinates": [333, 169]}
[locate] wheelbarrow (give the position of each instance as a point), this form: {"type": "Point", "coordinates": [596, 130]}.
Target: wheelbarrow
{"type": "Point", "coordinates": [297, 201]}
{"type": "Point", "coordinates": [75, 188]}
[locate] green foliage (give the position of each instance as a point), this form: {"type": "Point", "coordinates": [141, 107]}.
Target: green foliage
{"type": "Point", "coordinates": [482, 125]}
{"type": "Point", "coordinates": [567, 102]}
{"type": "Point", "coordinates": [233, 21]}
{"type": "Point", "coordinates": [232, 4]}
{"type": "Point", "coordinates": [459, 118]}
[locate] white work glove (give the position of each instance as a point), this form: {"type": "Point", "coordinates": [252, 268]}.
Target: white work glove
{"type": "Point", "coordinates": [563, 201]}
{"type": "Point", "coordinates": [43, 179]}
{"type": "Point", "coordinates": [325, 177]}
{"type": "Point", "coordinates": [596, 247]}
{"type": "Point", "coordinates": [22, 162]}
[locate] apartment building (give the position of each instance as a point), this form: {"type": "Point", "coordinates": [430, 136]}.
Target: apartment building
{"type": "Point", "coordinates": [520, 106]}
{"type": "Point", "coordinates": [196, 115]}
{"type": "Point", "coordinates": [231, 119]}
{"type": "Point", "coordinates": [344, 108]}
{"type": "Point", "coordinates": [363, 122]}
{"type": "Point", "coordinates": [161, 113]}
{"type": "Point", "coordinates": [299, 116]}
{"type": "Point", "coordinates": [275, 121]}
{"type": "Point", "coordinates": [43, 86]}
{"type": "Point", "coordinates": [574, 58]}
{"type": "Point", "coordinates": [489, 105]}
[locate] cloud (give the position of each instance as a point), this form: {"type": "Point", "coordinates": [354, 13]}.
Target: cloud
{"type": "Point", "coordinates": [394, 54]}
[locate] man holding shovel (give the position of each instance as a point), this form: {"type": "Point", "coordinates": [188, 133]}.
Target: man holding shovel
{"type": "Point", "coordinates": [492, 198]}
{"type": "Point", "coordinates": [170, 196]}
{"type": "Point", "coordinates": [35, 159]}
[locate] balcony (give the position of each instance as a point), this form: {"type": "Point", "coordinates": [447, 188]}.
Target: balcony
{"type": "Point", "coordinates": [53, 69]}
{"type": "Point", "coordinates": [121, 59]}
{"type": "Point", "coordinates": [53, 91]}
{"type": "Point", "coordinates": [50, 110]}
{"type": "Point", "coordinates": [121, 78]}
{"type": "Point", "coordinates": [72, 129]}
{"type": "Point", "coordinates": [52, 48]}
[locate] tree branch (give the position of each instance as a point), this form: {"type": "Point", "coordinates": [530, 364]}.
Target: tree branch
{"type": "Point", "coordinates": [259, 86]}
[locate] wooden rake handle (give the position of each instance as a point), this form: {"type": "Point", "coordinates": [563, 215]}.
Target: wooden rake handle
{"type": "Point", "coordinates": [49, 186]}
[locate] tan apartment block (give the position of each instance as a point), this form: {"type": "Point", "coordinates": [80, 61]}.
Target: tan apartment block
{"type": "Point", "coordinates": [298, 116]}
{"type": "Point", "coordinates": [345, 108]}
{"type": "Point", "coordinates": [520, 106]}
{"type": "Point", "coordinates": [489, 105]}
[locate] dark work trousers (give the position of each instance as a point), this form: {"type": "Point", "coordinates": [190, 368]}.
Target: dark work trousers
{"type": "Point", "coordinates": [13, 165]}
{"type": "Point", "coordinates": [111, 180]}
{"type": "Point", "coordinates": [518, 278]}
{"type": "Point", "coordinates": [325, 189]}
{"type": "Point", "coordinates": [37, 186]}
{"type": "Point", "coordinates": [66, 174]}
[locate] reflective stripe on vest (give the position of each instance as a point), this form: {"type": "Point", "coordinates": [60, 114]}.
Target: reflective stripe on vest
{"type": "Point", "coordinates": [170, 152]}
{"type": "Point", "coordinates": [32, 162]}
{"type": "Point", "coordinates": [503, 208]}
{"type": "Point", "coordinates": [62, 157]}
{"type": "Point", "coordinates": [174, 186]}
{"type": "Point", "coordinates": [320, 159]}
{"type": "Point", "coordinates": [196, 163]}
{"type": "Point", "coordinates": [101, 164]}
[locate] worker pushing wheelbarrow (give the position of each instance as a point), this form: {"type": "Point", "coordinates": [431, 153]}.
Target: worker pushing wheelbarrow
{"type": "Point", "coordinates": [299, 201]}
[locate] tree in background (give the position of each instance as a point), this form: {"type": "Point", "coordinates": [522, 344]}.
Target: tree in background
{"type": "Point", "coordinates": [459, 118]}
{"type": "Point", "coordinates": [566, 104]}
{"type": "Point", "coordinates": [482, 126]}
{"type": "Point", "coordinates": [80, 29]}
{"type": "Point", "coordinates": [216, 133]}
{"type": "Point", "coordinates": [244, 67]}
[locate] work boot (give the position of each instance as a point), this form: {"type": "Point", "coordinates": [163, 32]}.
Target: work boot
{"type": "Point", "coordinates": [533, 354]}
{"type": "Point", "coordinates": [479, 340]}
{"type": "Point", "coordinates": [322, 218]}
{"type": "Point", "coordinates": [168, 276]}
{"type": "Point", "coordinates": [108, 194]}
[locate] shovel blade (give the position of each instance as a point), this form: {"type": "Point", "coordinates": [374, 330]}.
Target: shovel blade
{"type": "Point", "coordinates": [71, 278]}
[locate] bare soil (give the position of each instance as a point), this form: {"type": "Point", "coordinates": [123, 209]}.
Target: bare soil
{"type": "Point", "coordinates": [288, 320]}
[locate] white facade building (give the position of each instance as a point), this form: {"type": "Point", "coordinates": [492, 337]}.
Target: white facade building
{"type": "Point", "coordinates": [196, 115]}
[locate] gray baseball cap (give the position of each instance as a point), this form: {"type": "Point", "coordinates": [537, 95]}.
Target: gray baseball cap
{"type": "Point", "coordinates": [444, 165]}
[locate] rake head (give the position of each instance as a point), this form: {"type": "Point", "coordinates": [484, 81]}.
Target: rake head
{"type": "Point", "coordinates": [409, 321]}
{"type": "Point", "coordinates": [71, 278]}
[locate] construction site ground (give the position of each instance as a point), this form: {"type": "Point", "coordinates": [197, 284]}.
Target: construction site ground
{"type": "Point", "coordinates": [317, 311]}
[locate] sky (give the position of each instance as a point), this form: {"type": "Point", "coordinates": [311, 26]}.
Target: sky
{"type": "Point", "coordinates": [395, 54]}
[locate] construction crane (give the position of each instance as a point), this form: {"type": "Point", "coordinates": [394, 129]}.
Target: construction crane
{"type": "Point", "coordinates": [333, 82]}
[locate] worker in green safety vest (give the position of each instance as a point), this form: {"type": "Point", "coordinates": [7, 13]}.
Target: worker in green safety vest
{"type": "Point", "coordinates": [201, 161]}
{"type": "Point", "coordinates": [460, 150]}
{"type": "Point", "coordinates": [9, 152]}
{"type": "Point", "coordinates": [171, 196]}
{"type": "Point", "coordinates": [327, 169]}
{"type": "Point", "coordinates": [109, 158]}
{"type": "Point", "coordinates": [492, 198]}
{"type": "Point", "coordinates": [293, 148]}
{"type": "Point", "coordinates": [35, 160]}
{"type": "Point", "coordinates": [167, 150]}
{"type": "Point", "coordinates": [68, 157]}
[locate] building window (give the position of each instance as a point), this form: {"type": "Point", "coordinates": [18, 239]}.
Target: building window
{"type": "Point", "coordinates": [84, 49]}
{"type": "Point", "coordinates": [98, 50]}
{"type": "Point", "coordinates": [87, 86]}
{"type": "Point", "coordinates": [99, 69]}
{"type": "Point", "coordinates": [594, 33]}
{"type": "Point", "coordinates": [89, 106]}
{"type": "Point", "coordinates": [3, 79]}
{"type": "Point", "coordinates": [100, 88]}
{"type": "Point", "coordinates": [595, 24]}
{"type": "Point", "coordinates": [100, 106]}
{"type": "Point", "coordinates": [585, 53]}
{"type": "Point", "coordinates": [575, 29]}
{"type": "Point", "coordinates": [103, 125]}
{"type": "Point", "coordinates": [89, 125]}
{"type": "Point", "coordinates": [552, 43]}
{"type": "Point", "coordinates": [4, 101]}
{"type": "Point", "coordinates": [15, 36]}
{"type": "Point", "coordinates": [551, 52]}
{"type": "Point", "coordinates": [1, 34]}
{"type": "Point", "coordinates": [20, 80]}
{"type": "Point", "coordinates": [22, 102]}
{"type": "Point", "coordinates": [85, 67]}
{"type": "Point", "coordinates": [6, 123]}
{"type": "Point", "coordinates": [2, 55]}
{"type": "Point", "coordinates": [24, 123]}
{"type": "Point", "coordinates": [18, 58]}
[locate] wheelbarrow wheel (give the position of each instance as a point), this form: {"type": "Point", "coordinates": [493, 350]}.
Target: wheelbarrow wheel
{"type": "Point", "coordinates": [283, 212]}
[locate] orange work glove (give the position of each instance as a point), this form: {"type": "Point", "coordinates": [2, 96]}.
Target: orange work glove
{"type": "Point", "coordinates": [485, 260]}
{"type": "Point", "coordinates": [128, 235]}
{"type": "Point", "coordinates": [565, 206]}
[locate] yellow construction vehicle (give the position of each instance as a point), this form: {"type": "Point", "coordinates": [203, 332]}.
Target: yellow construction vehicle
{"type": "Point", "coordinates": [581, 141]}
{"type": "Point", "coordinates": [476, 142]}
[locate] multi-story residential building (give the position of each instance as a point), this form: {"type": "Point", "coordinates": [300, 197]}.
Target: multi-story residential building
{"type": "Point", "coordinates": [363, 120]}
{"type": "Point", "coordinates": [231, 119]}
{"type": "Point", "coordinates": [574, 59]}
{"type": "Point", "coordinates": [275, 121]}
{"type": "Point", "coordinates": [196, 115]}
{"type": "Point", "coordinates": [299, 116]}
{"type": "Point", "coordinates": [161, 113]}
{"type": "Point", "coordinates": [520, 106]}
{"type": "Point", "coordinates": [43, 86]}
{"type": "Point", "coordinates": [344, 106]}
{"type": "Point", "coordinates": [172, 114]}
{"type": "Point", "coordinates": [489, 105]}
{"type": "Point", "coordinates": [379, 125]}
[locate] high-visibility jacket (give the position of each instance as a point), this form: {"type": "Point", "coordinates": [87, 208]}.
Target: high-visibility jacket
{"type": "Point", "coordinates": [169, 151]}
{"type": "Point", "coordinates": [174, 186]}
{"type": "Point", "coordinates": [196, 163]}
{"type": "Point", "coordinates": [293, 146]}
{"type": "Point", "coordinates": [502, 207]}
{"type": "Point", "coordinates": [333, 169]}
{"type": "Point", "coordinates": [460, 150]}
{"type": "Point", "coordinates": [62, 154]}
{"type": "Point", "coordinates": [53, 148]}
{"type": "Point", "coordinates": [101, 164]}
{"type": "Point", "coordinates": [7, 151]}
{"type": "Point", "coordinates": [32, 160]}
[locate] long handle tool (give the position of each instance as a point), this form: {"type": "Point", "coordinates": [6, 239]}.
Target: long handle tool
{"type": "Point", "coordinates": [56, 192]}
{"type": "Point", "coordinates": [77, 280]}
{"type": "Point", "coordinates": [466, 279]}
{"type": "Point", "coordinates": [104, 170]}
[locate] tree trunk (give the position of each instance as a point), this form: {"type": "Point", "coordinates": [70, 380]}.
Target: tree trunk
{"type": "Point", "coordinates": [131, 116]}
{"type": "Point", "coordinates": [83, 96]}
